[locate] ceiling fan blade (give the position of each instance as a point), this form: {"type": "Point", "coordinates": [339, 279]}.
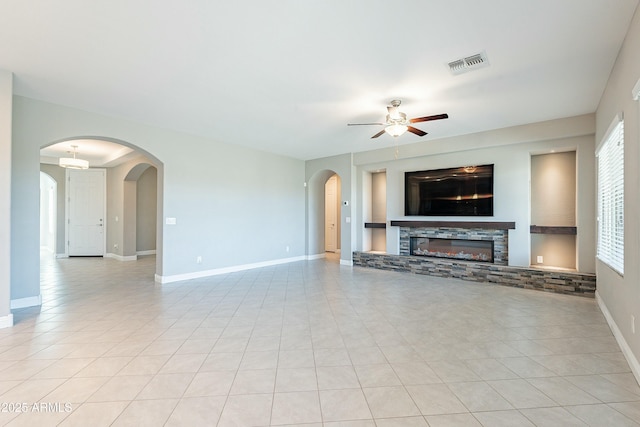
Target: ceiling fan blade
{"type": "Point", "coordinates": [429, 118]}
{"type": "Point", "coordinates": [364, 124]}
{"type": "Point", "coordinates": [378, 134]}
{"type": "Point", "coordinates": [416, 131]}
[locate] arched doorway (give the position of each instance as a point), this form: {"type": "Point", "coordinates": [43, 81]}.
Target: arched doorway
{"type": "Point", "coordinates": [140, 211]}
{"type": "Point", "coordinates": [125, 164]}
{"type": "Point", "coordinates": [323, 210]}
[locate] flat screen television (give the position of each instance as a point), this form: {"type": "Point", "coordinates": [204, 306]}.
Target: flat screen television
{"type": "Point", "coordinates": [463, 191]}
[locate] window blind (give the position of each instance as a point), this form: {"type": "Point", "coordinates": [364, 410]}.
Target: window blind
{"type": "Point", "coordinates": [610, 158]}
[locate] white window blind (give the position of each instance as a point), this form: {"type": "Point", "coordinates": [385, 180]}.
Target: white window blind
{"type": "Point", "coordinates": [611, 199]}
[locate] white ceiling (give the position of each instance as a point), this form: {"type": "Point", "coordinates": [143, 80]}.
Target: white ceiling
{"type": "Point", "coordinates": [286, 76]}
{"type": "Point", "coordinates": [99, 153]}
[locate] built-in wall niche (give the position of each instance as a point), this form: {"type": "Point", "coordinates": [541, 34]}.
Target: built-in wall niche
{"type": "Point", "coordinates": [553, 210]}
{"type": "Point", "coordinates": [375, 221]}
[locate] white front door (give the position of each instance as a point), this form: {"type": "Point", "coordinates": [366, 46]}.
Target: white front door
{"type": "Point", "coordinates": [86, 212]}
{"type": "Point", "coordinates": [330, 216]}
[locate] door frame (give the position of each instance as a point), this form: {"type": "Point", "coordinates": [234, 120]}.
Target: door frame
{"type": "Point", "coordinates": [67, 199]}
{"type": "Point", "coordinates": [53, 217]}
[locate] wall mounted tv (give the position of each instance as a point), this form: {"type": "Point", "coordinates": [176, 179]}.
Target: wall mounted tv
{"type": "Point", "coordinates": [463, 191]}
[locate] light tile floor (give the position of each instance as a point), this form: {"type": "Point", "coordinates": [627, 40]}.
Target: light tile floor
{"type": "Point", "coordinates": [308, 343]}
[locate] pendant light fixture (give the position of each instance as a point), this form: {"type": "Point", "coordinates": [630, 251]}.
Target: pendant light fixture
{"type": "Point", "coordinates": [73, 162]}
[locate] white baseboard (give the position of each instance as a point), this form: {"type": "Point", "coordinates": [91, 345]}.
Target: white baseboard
{"type": "Point", "coordinates": [149, 252]}
{"type": "Point", "coordinates": [225, 270]}
{"type": "Point", "coordinates": [626, 350]}
{"type": "Point", "coordinates": [26, 302]}
{"type": "Point", "coordinates": [62, 256]}
{"type": "Point", "coordinates": [6, 321]}
{"type": "Point", "coordinates": [121, 258]}
{"type": "Point", "coordinates": [316, 256]}
{"type": "Point", "coordinates": [346, 262]}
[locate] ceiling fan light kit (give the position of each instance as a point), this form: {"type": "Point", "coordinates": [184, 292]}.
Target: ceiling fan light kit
{"type": "Point", "coordinates": [397, 123]}
{"type": "Point", "coordinates": [396, 130]}
{"type": "Point", "coordinates": [73, 162]}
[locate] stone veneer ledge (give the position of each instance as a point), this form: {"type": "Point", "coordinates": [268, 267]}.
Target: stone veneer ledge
{"type": "Point", "coordinates": [571, 283]}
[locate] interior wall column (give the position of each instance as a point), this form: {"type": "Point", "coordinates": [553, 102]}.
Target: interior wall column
{"type": "Point", "coordinates": [129, 219]}
{"type": "Point", "coordinates": [6, 106]}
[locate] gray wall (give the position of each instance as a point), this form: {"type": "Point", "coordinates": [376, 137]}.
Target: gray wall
{"type": "Point", "coordinates": [122, 205]}
{"type": "Point", "coordinates": [621, 294]}
{"type": "Point", "coordinates": [6, 94]}
{"type": "Point", "coordinates": [225, 198]}
{"type": "Point", "coordinates": [146, 207]}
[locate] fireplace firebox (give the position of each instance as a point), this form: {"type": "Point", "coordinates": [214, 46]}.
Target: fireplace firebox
{"type": "Point", "coordinates": [462, 249]}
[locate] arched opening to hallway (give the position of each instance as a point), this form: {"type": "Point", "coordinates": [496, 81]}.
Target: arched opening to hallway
{"type": "Point", "coordinates": [132, 199]}
{"type": "Point", "coordinates": [324, 214]}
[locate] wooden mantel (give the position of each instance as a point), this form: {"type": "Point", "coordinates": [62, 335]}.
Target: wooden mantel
{"type": "Point", "coordinates": [456, 224]}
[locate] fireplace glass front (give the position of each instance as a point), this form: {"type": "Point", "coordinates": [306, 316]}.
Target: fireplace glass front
{"type": "Point", "coordinates": [468, 250]}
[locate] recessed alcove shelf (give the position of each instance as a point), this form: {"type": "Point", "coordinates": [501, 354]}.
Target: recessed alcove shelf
{"type": "Point", "coordinates": [543, 229]}
{"type": "Point", "coordinates": [553, 191]}
{"type": "Point", "coordinates": [375, 225]}
{"type": "Point", "coordinates": [374, 213]}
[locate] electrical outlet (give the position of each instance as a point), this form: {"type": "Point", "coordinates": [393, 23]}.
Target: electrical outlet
{"type": "Point", "coordinates": [199, 260]}
{"type": "Point", "coordinates": [287, 248]}
{"type": "Point", "coordinates": [115, 246]}
{"type": "Point", "coordinates": [540, 259]}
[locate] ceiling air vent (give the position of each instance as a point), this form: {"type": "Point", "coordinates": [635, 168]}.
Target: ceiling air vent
{"type": "Point", "coordinates": [468, 63]}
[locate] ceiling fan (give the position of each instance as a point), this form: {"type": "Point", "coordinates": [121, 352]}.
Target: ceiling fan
{"type": "Point", "coordinates": [397, 122]}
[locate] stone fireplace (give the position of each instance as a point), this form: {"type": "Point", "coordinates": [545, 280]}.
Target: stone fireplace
{"type": "Point", "coordinates": [499, 272]}
{"type": "Point", "coordinates": [467, 241]}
